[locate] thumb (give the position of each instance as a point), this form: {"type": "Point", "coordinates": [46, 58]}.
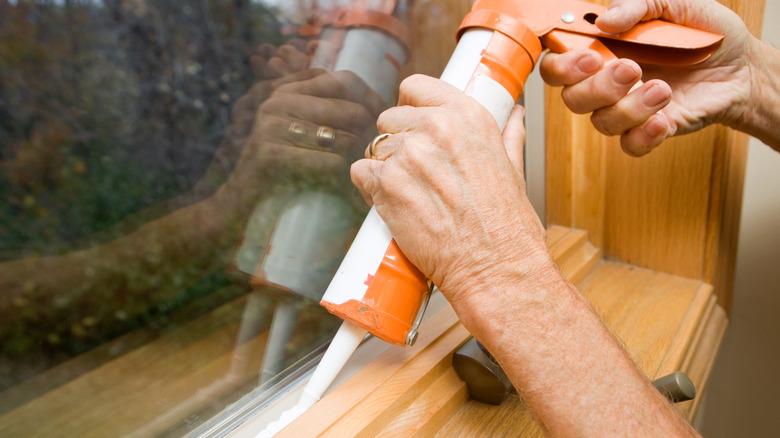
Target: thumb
{"type": "Point", "coordinates": [514, 138]}
{"type": "Point", "coordinates": [365, 176]}
{"type": "Point", "coordinates": [622, 15]}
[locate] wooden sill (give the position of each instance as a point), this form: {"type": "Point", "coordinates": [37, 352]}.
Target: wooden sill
{"type": "Point", "coordinates": [146, 391]}
{"type": "Point", "coordinates": [667, 323]}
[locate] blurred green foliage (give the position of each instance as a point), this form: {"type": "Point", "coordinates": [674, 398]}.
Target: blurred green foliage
{"type": "Point", "coordinates": [107, 108]}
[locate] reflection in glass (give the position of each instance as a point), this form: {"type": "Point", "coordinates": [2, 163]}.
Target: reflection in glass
{"type": "Point", "coordinates": [175, 199]}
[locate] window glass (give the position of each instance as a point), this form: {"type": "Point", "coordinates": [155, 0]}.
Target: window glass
{"type": "Point", "coordinates": [174, 199]}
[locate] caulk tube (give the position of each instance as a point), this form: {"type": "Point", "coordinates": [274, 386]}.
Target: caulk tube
{"type": "Point", "coordinates": [313, 227]}
{"type": "Point", "coordinates": [298, 250]}
{"type": "Point", "coordinates": [376, 287]}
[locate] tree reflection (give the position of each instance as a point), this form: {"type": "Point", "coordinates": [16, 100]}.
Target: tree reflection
{"type": "Point", "coordinates": [136, 139]}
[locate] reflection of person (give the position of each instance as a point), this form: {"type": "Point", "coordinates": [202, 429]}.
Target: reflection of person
{"type": "Point", "coordinates": [445, 159]}
{"type": "Point", "coordinates": [88, 293]}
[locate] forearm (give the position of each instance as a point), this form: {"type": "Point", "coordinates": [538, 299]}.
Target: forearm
{"type": "Point", "coordinates": [146, 267]}
{"type": "Point", "coordinates": [762, 117]}
{"type": "Point", "coordinates": [567, 367]}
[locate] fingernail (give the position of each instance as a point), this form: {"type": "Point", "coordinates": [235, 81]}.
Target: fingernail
{"type": "Point", "coordinates": [657, 126]}
{"type": "Point", "coordinates": [611, 14]}
{"type": "Point", "coordinates": [626, 73]}
{"type": "Point", "coordinates": [588, 63]}
{"type": "Point", "coordinates": [655, 95]}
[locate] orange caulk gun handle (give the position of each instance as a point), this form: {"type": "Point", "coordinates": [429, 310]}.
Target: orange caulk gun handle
{"type": "Point", "coordinates": [563, 25]}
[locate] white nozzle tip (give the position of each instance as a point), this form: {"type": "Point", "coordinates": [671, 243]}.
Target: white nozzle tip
{"type": "Point", "coordinates": [341, 348]}
{"type": "Point", "coordinates": [285, 419]}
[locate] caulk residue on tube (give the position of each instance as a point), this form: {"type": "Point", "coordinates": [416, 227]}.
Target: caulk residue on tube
{"type": "Point", "coordinates": [340, 350]}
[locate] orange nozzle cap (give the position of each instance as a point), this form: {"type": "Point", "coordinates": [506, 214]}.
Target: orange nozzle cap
{"type": "Point", "coordinates": [392, 300]}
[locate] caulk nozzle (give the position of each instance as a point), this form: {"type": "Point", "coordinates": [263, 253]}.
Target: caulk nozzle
{"type": "Point", "coordinates": [341, 348]}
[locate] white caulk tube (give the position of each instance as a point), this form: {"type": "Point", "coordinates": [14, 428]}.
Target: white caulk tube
{"type": "Point", "coordinates": [349, 294]}
{"type": "Point", "coordinates": [314, 227]}
{"type": "Point", "coordinates": [472, 70]}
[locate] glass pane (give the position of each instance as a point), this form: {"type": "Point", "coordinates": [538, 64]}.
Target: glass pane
{"type": "Point", "coordinates": [175, 198]}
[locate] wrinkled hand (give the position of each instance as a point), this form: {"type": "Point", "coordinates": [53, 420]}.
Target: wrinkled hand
{"type": "Point", "coordinates": [275, 125]}
{"type": "Point", "coordinates": [673, 100]}
{"type": "Point", "coordinates": [269, 65]}
{"type": "Point", "coordinates": [451, 189]}
{"type": "Point", "coordinates": [284, 134]}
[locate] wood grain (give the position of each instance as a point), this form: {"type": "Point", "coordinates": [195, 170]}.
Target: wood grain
{"type": "Point", "coordinates": [438, 18]}
{"type": "Point", "coordinates": [430, 410]}
{"type": "Point", "coordinates": [676, 210]}
{"type": "Point", "coordinates": [666, 322]}
{"type": "Point", "coordinates": [387, 387]}
{"type": "Point", "coordinates": [704, 357]}
{"type": "Point", "coordinates": [654, 315]}
{"type": "Point", "coordinates": [684, 339]}
{"type": "Point", "coordinates": [150, 389]}
{"type": "Point", "coordinates": [382, 406]}
{"type": "Point", "coordinates": [575, 169]}
{"type": "Point", "coordinates": [341, 400]}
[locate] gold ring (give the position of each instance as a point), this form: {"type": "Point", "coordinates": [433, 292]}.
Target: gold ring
{"type": "Point", "coordinates": [374, 143]}
{"type": "Point", "coordinates": [326, 137]}
{"type": "Point", "coordinates": [297, 130]}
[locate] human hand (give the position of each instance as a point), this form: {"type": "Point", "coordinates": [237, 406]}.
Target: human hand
{"type": "Point", "coordinates": [673, 100]}
{"type": "Point", "coordinates": [268, 64]}
{"type": "Point", "coordinates": [290, 131]}
{"type": "Point", "coordinates": [451, 189]}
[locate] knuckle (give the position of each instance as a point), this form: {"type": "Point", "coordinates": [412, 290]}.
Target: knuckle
{"type": "Point", "coordinates": [605, 124]}
{"type": "Point", "coordinates": [475, 111]}
{"type": "Point", "coordinates": [571, 100]}
{"type": "Point", "coordinates": [409, 83]}
{"type": "Point", "coordinates": [355, 174]}
{"type": "Point", "coordinates": [631, 148]}
{"type": "Point", "coordinates": [286, 88]}
{"type": "Point", "coordinates": [358, 116]}
{"type": "Point", "coordinates": [629, 114]}
{"type": "Point", "coordinates": [549, 69]}
{"type": "Point", "coordinates": [359, 173]}
{"type": "Point", "coordinates": [603, 87]}
{"type": "Point", "coordinates": [383, 119]}
{"type": "Point", "coordinates": [272, 104]}
{"type": "Point", "coordinates": [438, 124]}
{"type": "Point", "coordinates": [414, 154]}
{"type": "Point", "coordinates": [346, 77]}
{"type": "Point", "coordinates": [559, 68]}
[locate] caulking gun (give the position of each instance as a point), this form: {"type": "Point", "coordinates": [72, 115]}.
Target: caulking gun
{"type": "Point", "coordinates": [376, 289]}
